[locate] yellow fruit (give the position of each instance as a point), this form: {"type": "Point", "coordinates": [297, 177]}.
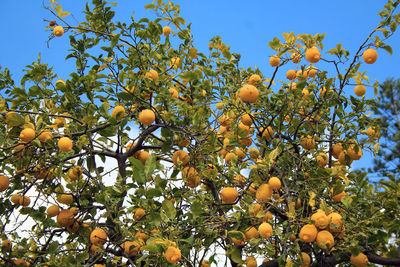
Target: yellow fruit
{"type": "Point", "coordinates": [191, 176]}
{"type": "Point", "coordinates": [264, 193]}
{"type": "Point", "coordinates": [27, 135]}
{"type": "Point", "coordinates": [173, 93]}
{"type": "Point", "coordinates": [265, 230]}
{"type": "Point", "coordinates": [370, 56]}
{"type": "Point", "coordinates": [268, 216]}
{"type": "Point", "coordinates": [219, 105]}
{"type": "Point", "coordinates": [255, 209]}
{"type": "Point", "coordinates": [251, 262]}
{"type": "Point", "coordinates": [4, 183]}
{"type": "Point", "coordinates": [147, 117]}
{"type": "Point", "coordinates": [308, 233]}
{"type": "Point", "coordinates": [65, 218]}
{"type": "Point", "coordinates": [229, 156]}
{"type": "Point", "coordinates": [325, 240]}
{"type": "Point", "coordinates": [45, 135]}
{"type": "Point", "coordinates": [66, 199]}
{"type": "Point", "coordinates": [53, 211]}
{"type": "Point", "coordinates": [166, 30]}
{"type": "Point", "coordinates": [338, 197]}
{"type": "Point", "coordinates": [152, 75]}
{"type": "Point", "coordinates": [58, 31]}
{"type": "Point", "coordinates": [254, 153]}
{"type": "Point", "coordinates": [251, 233]}
{"type": "Point", "coordinates": [311, 72]}
{"type": "Point", "coordinates": [180, 156]}
{"type": "Point", "coordinates": [118, 112]}
{"type": "Point", "coordinates": [98, 236]}
{"type": "Point", "coordinates": [74, 173]}
{"type": "Point", "coordinates": [15, 198]}
{"type": "Point", "coordinates": [305, 259]}
{"type": "Point", "coordinates": [6, 245]}
{"type": "Point", "coordinates": [254, 78]}
{"type": "Point", "coordinates": [372, 134]}
{"type": "Point", "coordinates": [291, 75]}
{"type": "Point", "coordinates": [249, 93]}
{"type": "Point", "coordinates": [229, 195]}
{"type": "Point", "coordinates": [239, 242]}
{"type": "Point", "coordinates": [322, 159]}
{"type": "Point", "coordinates": [295, 58]}
{"type": "Point", "coordinates": [21, 262]}
{"type": "Point", "coordinates": [59, 122]}
{"type": "Point", "coordinates": [24, 201]}
{"type": "Point", "coordinates": [65, 144]}
{"type": "Point", "coordinates": [336, 150]}
{"type": "Point", "coordinates": [353, 154]}
{"type": "Point", "coordinates": [307, 142]}
{"type": "Point", "coordinates": [139, 213]}
{"type": "Point", "coordinates": [246, 119]}
{"type": "Point", "coordinates": [267, 133]}
{"type": "Point", "coordinates": [360, 90]}
{"type": "Point", "coordinates": [239, 180]}
{"type": "Point", "coordinates": [175, 61]}
{"type": "Point", "coordinates": [313, 55]}
{"type": "Point", "coordinates": [74, 210]}
{"type": "Point", "coordinates": [274, 61]}
{"type": "Point", "coordinates": [143, 156]}
{"type": "Point", "coordinates": [240, 153]}
{"type": "Point", "coordinates": [131, 248]}
{"type": "Point", "coordinates": [335, 224]}
{"type": "Point", "coordinates": [274, 183]}
{"type": "Point", "coordinates": [360, 260]}
{"type": "Point", "coordinates": [141, 235]}
{"type": "Point", "coordinates": [173, 255]}
{"type": "Point", "coordinates": [320, 219]}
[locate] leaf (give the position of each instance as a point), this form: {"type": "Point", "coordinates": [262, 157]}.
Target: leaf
{"type": "Point", "coordinates": [138, 170]}
{"type": "Point", "coordinates": [275, 44]}
{"type": "Point", "coordinates": [274, 153]}
{"type": "Point", "coordinates": [60, 13]}
{"type": "Point", "coordinates": [292, 209]}
{"type": "Point", "coordinates": [150, 165]}
{"type": "Point", "coordinates": [196, 208]}
{"type": "Point", "coordinates": [347, 200]}
{"type": "Point", "coordinates": [236, 255]}
{"type": "Point", "coordinates": [169, 209]}
{"type": "Point", "coordinates": [14, 119]}
{"type": "Point", "coordinates": [388, 48]}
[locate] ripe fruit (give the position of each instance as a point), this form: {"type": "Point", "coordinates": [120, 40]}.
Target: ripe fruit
{"type": "Point", "coordinates": [268, 216]}
{"type": "Point", "coordinates": [118, 112]}
{"type": "Point", "coordinates": [291, 75]}
{"type": "Point", "coordinates": [74, 173]}
{"type": "Point", "coordinates": [360, 260]}
{"type": "Point", "coordinates": [265, 230]}
{"type": "Point", "coordinates": [307, 142]}
{"type": "Point", "coordinates": [325, 240]}
{"type": "Point", "coordinates": [98, 236]}
{"type": "Point", "coordinates": [173, 93]}
{"type": "Point", "coordinates": [229, 195]}
{"type": "Point", "coordinates": [267, 133]}
{"type": "Point", "coordinates": [66, 199]}
{"type": "Point", "coordinates": [65, 218]}
{"type": "Point", "coordinates": [274, 183]}
{"type": "Point", "coordinates": [320, 219]}
{"type": "Point", "coordinates": [264, 193]}
{"type": "Point", "coordinates": [4, 183]}
{"type": "Point", "coordinates": [372, 134]}
{"type": "Point", "coordinates": [191, 176]}
{"type": "Point", "coordinates": [246, 119]}
{"type": "Point", "coordinates": [229, 156]}
{"type": "Point", "coordinates": [370, 56]}
{"type": "Point", "coordinates": [322, 159]}
{"type": "Point", "coordinates": [45, 135]}
{"type": "Point", "coordinates": [27, 135]}
{"type": "Point", "coordinates": [251, 233]}
{"type": "Point", "coordinates": [131, 247]}
{"type": "Point", "coordinates": [166, 30]}
{"type": "Point", "coordinates": [238, 241]}
{"type": "Point", "coordinates": [152, 75]}
{"type": "Point", "coordinates": [172, 254]}
{"type": "Point", "coordinates": [249, 93]}
{"type": "Point", "coordinates": [353, 154]}
{"type": "Point", "coordinates": [255, 208]}
{"type": "Point", "coordinates": [15, 198]}
{"type": "Point", "coordinates": [360, 90]}
{"type": "Point", "coordinates": [139, 213]}
{"type": "Point", "coordinates": [254, 78]}
{"type": "Point", "coordinates": [274, 61]}
{"type": "Point", "coordinates": [338, 197]}
{"type": "Point", "coordinates": [254, 153]}
{"type": "Point", "coordinates": [251, 262]}
{"type": "Point", "coordinates": [53, 211]}
{"type": "Point", "coordinates": [65, 144]}
{"type": "Point", "coordinates": [24, 201]}
{"type": "Point", "coordinates": [308, 233]}
{"type": "Point", "coordinates": [147, 117]}
{"type": "Point", "coordinates": [295, 58]}
{"type": "Point", "coordinates": [336, 150]}
{"type": "Point", "coordinates": [180, 156]}
{"type": "Point", "coordinates": [239, 180]}
{"type": "Point", "coordinates": [305, 259]}
{"type": "Point", "coordinates": [58, 31]}
{"type": "Point", "coordinates": [336, 223]}
{"type": "Point", "coordinates": [313, 55]}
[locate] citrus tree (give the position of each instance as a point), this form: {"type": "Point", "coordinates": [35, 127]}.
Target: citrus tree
{"type": "Point", "coordinates": [151, 153]}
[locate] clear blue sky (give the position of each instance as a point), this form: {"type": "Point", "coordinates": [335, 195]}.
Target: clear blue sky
{"type": "Point", "coordinates": [246, 27]}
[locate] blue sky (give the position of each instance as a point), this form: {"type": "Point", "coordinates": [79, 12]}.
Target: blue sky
{"type": "Point", "coordinates": [246, 27]}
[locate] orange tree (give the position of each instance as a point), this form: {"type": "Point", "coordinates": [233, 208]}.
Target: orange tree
{"type": "Point", "coordinates": [151, 153]}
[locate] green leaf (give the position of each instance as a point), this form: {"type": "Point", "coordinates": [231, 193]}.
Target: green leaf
{"type": "Point", "coordinates": [150, 165]}
{"type": "Point", "coordinates": [347, 200]}
{"type": "Point", "coordinates": [138, 170]}
{"type": "Point", "coordinates": [388, 48]}
{"type": "Point", "coordinates": [275, 44]}
{"type": "Point", "coordinates": [169, 209]}
{"type": "Point", "coordinates": [196, 208]}
{"type": "Point", "coordinates": [14, 119]}
{"type": "Point", "coordinates": [236, 254]}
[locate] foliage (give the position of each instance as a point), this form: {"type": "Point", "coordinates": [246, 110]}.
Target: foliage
{"type": "Point", "coordinates": [156, 205]}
